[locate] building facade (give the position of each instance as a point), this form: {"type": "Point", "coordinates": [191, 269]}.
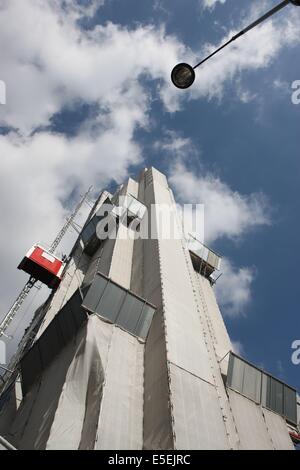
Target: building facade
{"type": "Point", "coordinates": [131, 350]}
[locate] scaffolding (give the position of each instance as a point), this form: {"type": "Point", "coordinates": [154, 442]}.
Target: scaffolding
{"type": "Point", "coordinates": [8, 318]}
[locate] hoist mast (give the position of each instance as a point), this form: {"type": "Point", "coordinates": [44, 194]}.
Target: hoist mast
{"type": "Point", "coordinates": [32, 280]}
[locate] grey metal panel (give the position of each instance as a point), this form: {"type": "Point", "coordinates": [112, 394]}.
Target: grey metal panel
{"type": "Point", "coordinates": [245, 379]}
{"type": "Point", "coordinates": [275, 401]}
{"type": "Point", "coordinates": [278, 431]}
{"type": "Point", "coordinates": [198, 421]}
{"type": "Point", "coordinates": [144, 322]}
{"type": "Point", "coordinates": [95, 293]}
{"type": "Point", "coordinates": [111, 302]}
{"type": "Point", "coordinates": [250, 423]}
{"type": "Point", "coordinates": [262, 388]}
{"type": "Point", "coordinates": [290, 404]}
{"type": "Point", "coordinates": [252, 383]}
{"type": "Point", "coordinates": [121, 416]}
{"type": "Point", "coordinates": [130, 313]}
{"type": "Point", "coordinates": [119, 306]}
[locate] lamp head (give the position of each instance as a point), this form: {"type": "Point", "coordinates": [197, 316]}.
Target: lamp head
{"type": "Point", "coordinates": [183, 75]}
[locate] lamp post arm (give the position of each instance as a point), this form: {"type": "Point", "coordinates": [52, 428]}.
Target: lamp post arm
{"type": "Point", "coordinates": [263, 18]}
{"type": "Point", "coordinates": [244, 31]}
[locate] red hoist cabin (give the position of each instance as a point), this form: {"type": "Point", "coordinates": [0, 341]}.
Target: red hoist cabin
{"type": "Point", "coordinates": [43, 266]}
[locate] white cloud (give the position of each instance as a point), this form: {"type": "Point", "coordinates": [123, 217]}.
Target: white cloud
{"type": "Point", "coordinates": [244, 94]}
{"type": "Point", "coordinates": [233, 289]}
{"type": "Point", "coordinates": [175, 145]}
{"type": "Point", "coordinates": [48, 63]}
{"type": "Point", "coordinates": [238, 348]}
{"type": "Point", "coordinates": [227, 213]}
{"type": "Point", "coordinates": [283, 87]}
{"type": "Point", "coordinates": [80, 9]}
{"type": "Point", "coordinates": [211, 3]}
{"type": "Point", "coordinates": [255, 50]}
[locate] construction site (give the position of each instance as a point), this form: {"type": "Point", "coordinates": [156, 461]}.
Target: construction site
{"type": "Point", "coordinates": [130, 350]}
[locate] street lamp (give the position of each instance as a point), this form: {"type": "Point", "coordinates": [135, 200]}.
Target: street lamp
{"type": "Point", "coordinates": [183, 75]}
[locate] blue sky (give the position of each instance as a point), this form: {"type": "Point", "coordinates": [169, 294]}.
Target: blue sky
{"type": "Point", "coordinates": [89, 96]}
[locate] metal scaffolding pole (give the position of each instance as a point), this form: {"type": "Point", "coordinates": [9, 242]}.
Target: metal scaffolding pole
{"type": "Point", "coordinates": [32, 281]}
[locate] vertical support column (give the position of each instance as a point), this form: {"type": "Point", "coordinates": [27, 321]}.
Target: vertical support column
{"type": "Point", "coordinates": [122, 401]}
{"type": "Point", "coordinates": [146, 281]}
{"type": "Point", "coordinates": [193, 406]}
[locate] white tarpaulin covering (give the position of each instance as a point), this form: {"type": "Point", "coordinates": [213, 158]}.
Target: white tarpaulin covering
{"type": "Point", "coordinates": [120, 269]}
{"type": "Point", "coordinates": [61, 410]}
{"type": "Point", "coordinates": [104, 388]}
{"type": "Point", "coordinates": [5, 445]}
{"type": "Point", "coordinates": [198, 421]}
{"type": "Point", "coordinates": [8, 408]}
{"type": "Point", "coordinates": [278, 431]}
{"type": "Point", "coordinates": [121, 415]}
{"type": "Point", "coordinates": [185, 343]}
{"type": "Point", "coordinates": [110, 364]}
{"type": "Point", "coordinates": [254, 425]}
{"type": "Point", "coordinates": [31, 427]}
{"type": "Point", "coordinates": [82, 392]}
{"type": "Point", "coordinates": [220, 336]}
{"type": "Point", "coordinates": [184, 333]}
{"type": "Point", "coordinates": [250, 423]}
